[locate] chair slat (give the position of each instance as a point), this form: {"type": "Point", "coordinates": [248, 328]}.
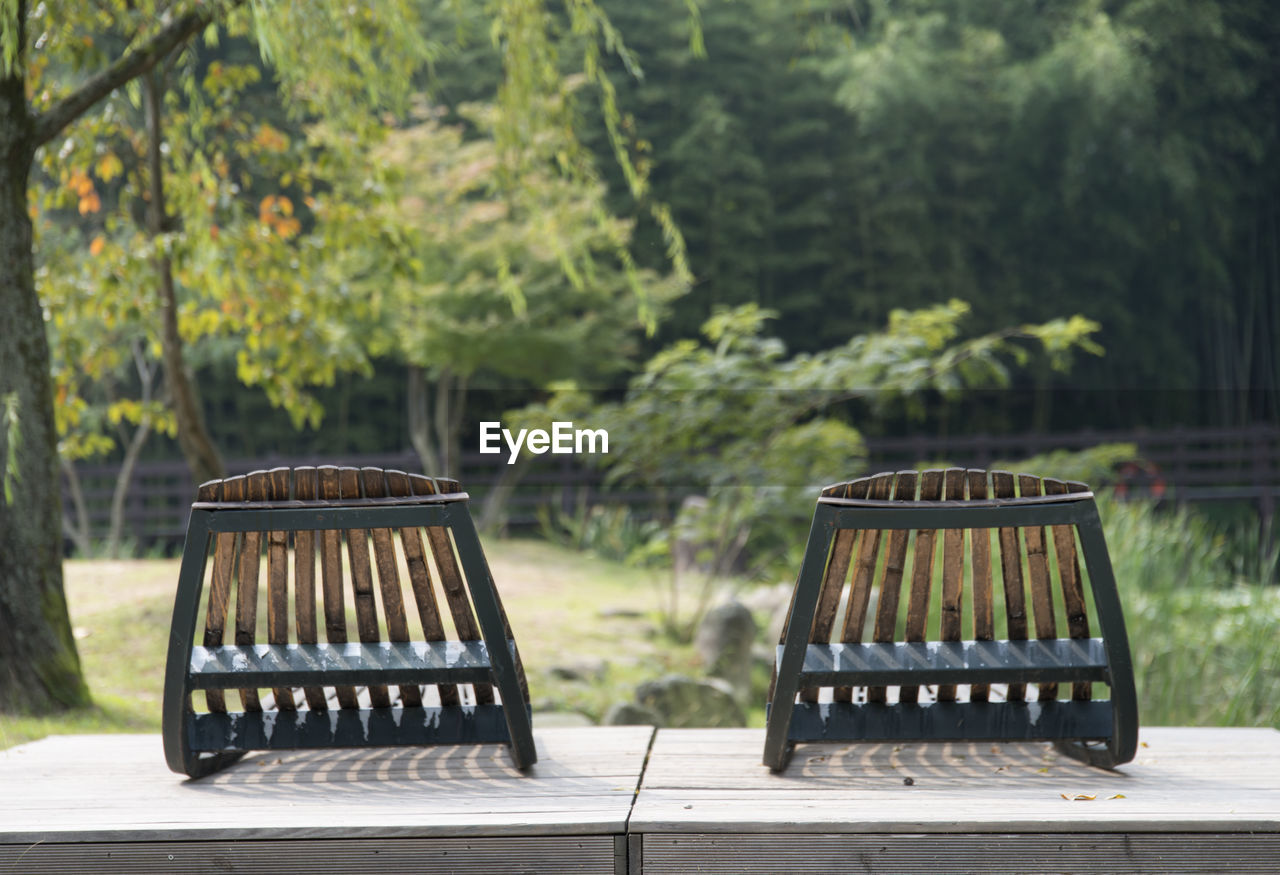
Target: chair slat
{"type": "Point", "coordinates": [255, 485]}
{"type": "Point", "coordinates": [1038, 572]}
{"type": "Point", "coordinates": [952, 616]}
{"type": "Point", "coordinates": [1015, 598]}
{"type": "Point", "coordinates": [424, 594]}
{"type": "Point", "coordinates": [384, 555]}
{"type": "Point", "coordinates": [922, 574]}
{"type": "Point", "coordinates": [304, 580]}
{"type": "Point", "coordinates": [278, 581]}
{"type": "Point", "coordinates": [215, 619]}
{"type": "Point", "coordinates": [331, 580]}
{"type": "Point", "coordinates": [455, 593]}
{"type": "Point", "coordinates": [895, 561]}
{"type": "Point", "coordinates": [1073, 603]}
{"type": "Point", "coordinates": [980, 564]}
{"type": "Point", "coordinates": [867, 550]}
{"type": "Point", "coordinates": [833, 578]}
{"type": "Point", "coordinates": [362, 581]}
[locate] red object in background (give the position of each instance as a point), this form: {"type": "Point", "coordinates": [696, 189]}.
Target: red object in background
{"type": "Point", "coordinates": [1142, 477]}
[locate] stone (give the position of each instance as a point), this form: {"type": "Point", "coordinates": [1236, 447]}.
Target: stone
{"type": "Point", "coordinates": [587, 670]}
{"type": "Point", "coordinates": [771, 603]}
{"type": "Point", "coordinates": [620, 613]}
{"type": "Point", "coordinates": [724, 641]}
{"type": "Point", "coordinates": [631, 714]}
{"type": "Point", "coordinates": [683, 702]}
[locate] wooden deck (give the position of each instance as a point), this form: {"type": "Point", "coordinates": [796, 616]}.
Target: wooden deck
{"type": "Point", "coordinates": [1195, 800]}
{"type": "Point", "coordinates": [107, 803]}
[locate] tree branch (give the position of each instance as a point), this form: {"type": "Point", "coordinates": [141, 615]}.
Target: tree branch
{"type": "Point", "coordinates": [50, 122]}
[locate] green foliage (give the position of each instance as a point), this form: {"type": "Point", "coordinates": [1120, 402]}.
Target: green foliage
{"type": "Point", "coordinates": [341, 60]}
{"type": "Point", "coordinates": [612, 532]}
{"type": "Point", "coordinates": [478, 264]}
{"type": "Point", "coordinates": [832, 162]}
{"type": "Point", "coordinates": [753, 431]}
{"type": "Point", "coordinates": [1095, 466]}
{"type": "Point", "coordinates": [1201, 616]}
{"type": "Point", "coordinates": [481, 267]}
{"type": "Point", "coordinates": [9, 35]}
{"type": "Point", "coordinates": [737, 138]}
{"type": "Point", "coordinates": [236, 199]}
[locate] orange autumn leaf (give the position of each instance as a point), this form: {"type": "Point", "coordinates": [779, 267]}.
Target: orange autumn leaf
{"type": "Point", "coordinates": [270, 139]}
{"type": "Point", "coordinates": [96, 247]}
{"type": "Point", "coordinates": [80, 183]}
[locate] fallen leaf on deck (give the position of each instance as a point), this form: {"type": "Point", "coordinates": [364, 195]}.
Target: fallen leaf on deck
{"type": "Point", "coordinates": [1079, 797]}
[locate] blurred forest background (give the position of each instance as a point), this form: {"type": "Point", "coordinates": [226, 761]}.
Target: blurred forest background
{"type": "Point", "coordinates": [828, 161]}
{"type": "Point", "coordinates": [764, 243]}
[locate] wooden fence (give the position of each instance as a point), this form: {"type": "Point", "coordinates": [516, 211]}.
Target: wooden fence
{"type": "Point", "coordinates": [1182, 465]}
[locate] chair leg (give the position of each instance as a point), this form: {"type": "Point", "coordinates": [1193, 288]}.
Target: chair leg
{"type": "Point", "coordinates": [1091, 753]}
{"type": "Point", "coordinates": [777, 746]}
{"type": "Point", "coordinates": [489, 614]}
{"type": "Point", "coordinates": [1124, 698]}
{"type": "Point", "coordinates": [199, 765]}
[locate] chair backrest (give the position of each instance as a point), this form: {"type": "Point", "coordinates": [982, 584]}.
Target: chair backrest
{"type": "Point", "coordinates": [360, 564]}
{"type": "Point", "coordinates": [914, 557]}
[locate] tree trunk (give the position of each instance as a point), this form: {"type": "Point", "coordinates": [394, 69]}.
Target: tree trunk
{"type": "Point", "coordinates": [76, 525]}
{"type": "Point", "coordinates": [444, 409]}
{"type": "Point", "coordinates": [133, 444]}
{"type": "Point", "coordinates": [494, 509]}
{"type": "Point", "coordinates": [124, 480]}
{"type": "Point", "coordinates": [39, 665]}
{"type": "Point", "coordinates": [418, 402]}
{"type": "Point", "coordinates": [184, 399]}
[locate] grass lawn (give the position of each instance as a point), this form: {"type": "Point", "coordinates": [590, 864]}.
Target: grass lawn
{"type": "Point", "coordinates": [572, 614]}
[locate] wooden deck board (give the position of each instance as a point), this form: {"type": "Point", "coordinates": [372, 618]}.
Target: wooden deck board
{"type": "Point", "coordinates": [1202, 800]}
{"type": "Point", "coordinates": [1204, 780]}
{"type": "Point", "coordinates": [116, 788]}
{"type": "Point", "coordinates": [1194, 800]}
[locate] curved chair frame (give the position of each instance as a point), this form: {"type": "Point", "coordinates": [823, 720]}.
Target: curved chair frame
{"type": "Point", "coordinates": [846, 532]}
{"type": "Point", "coordinates": [239, 519]}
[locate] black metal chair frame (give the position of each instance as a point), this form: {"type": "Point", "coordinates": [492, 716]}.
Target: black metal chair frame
{"type": "Point", "coordinates": [197, 744]}
{"type": "Point", "coordinates": [1072, 725]}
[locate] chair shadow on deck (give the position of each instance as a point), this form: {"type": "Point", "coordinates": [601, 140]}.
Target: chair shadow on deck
{"type": "Point", "coordinates": [474, 771]}
{"type": "Point", "coordinates": [873, 764]}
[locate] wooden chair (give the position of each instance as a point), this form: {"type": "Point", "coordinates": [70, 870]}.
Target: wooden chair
{"type": "Point", "coordinates": [887, 528]}
{"type": "Point", "coordinates": [339, 693]}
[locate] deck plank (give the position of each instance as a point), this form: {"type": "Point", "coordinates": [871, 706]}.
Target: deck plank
{"type": "Point", "coordinates": [1204, 780]}
{"type": "Point", "coordinates": [1194, 799]}
{"type": "Point", "coordinates": [116, 788]}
